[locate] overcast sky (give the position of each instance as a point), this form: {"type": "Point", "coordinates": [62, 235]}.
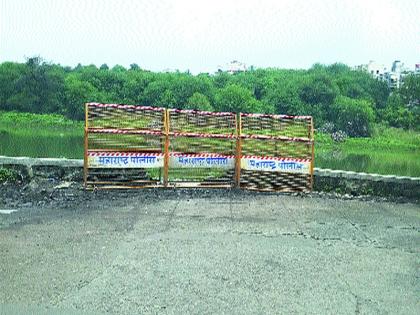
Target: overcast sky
{"type": "Point", "coordinates": [200, 35]}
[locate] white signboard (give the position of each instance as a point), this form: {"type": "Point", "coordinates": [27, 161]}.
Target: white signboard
{"type": "Point", "coordinates": [276, 165]}
{"type": "Point", "coordinates": [202, 161]}
{"type": "Point", "coordinates": [125, 160]}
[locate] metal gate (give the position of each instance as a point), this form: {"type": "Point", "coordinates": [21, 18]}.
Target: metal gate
{"type": "Point", "coordinates": [202, 148]}
{"type": "Point", "coordinates": [276, 152]}
{"type": "Point", "coordinates": [124, 146]}
{"type": "Point", "coordinates": [129, 146]}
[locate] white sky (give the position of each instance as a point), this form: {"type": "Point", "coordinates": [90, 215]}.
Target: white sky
{"type": "Point", "coordinates": [200, 35]}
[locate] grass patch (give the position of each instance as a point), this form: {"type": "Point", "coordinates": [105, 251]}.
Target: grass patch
{"type": "Point", "coordinates": [8, 175]}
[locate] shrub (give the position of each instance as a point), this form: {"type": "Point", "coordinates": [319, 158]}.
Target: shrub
{"type": "Point", "coordinates": [339, 136]}
{"type": "Point", "coordinates": [8, 175]}
{"type": "Point", "coordinates": [199, 101]}
{"type": "Point", "coordinates": [235, 98]}
{"type": "Point", "coordinates": [353, 116]}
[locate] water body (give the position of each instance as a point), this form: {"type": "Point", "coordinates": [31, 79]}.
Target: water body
{"type": "Point", "coordinates": [403, 163]}
{"type": "Point", "coordinates": [36, 145]}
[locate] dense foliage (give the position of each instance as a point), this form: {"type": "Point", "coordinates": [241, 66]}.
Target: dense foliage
{"type": "Point", "coordinates": [351, 100]}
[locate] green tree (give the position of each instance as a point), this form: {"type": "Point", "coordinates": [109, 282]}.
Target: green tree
{"type": "Point", "coordinates": [39, 88]}
{"type": "Point", "coordinates": [410, 94]}
{"type": "Point", "coordinates": [328, 93]}
{"type": "Point", "coordinates": [155, 94]}
{"type": "Point", "coordinates": [134, 67]}
{"type": "Point", "coordinates": [10, 72]}
{"type": "Point", "coordinates": [355, 117]}
{"type": "Point", "coordinates": [199, 101]}
{"type": "Point", "coordinates": [77, 93]}
{"type": "Point", "coordinates": [318, 89]}
{"type": "Point", "coordinates": [235, 98]}
{"type": "Point", "coordinates": [397, 114]}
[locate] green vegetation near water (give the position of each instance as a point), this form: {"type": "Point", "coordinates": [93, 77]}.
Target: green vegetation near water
{"type": "Point", "coordinates": [380, 126]}
{"type": "Point", "coordinates": [33, 135]}
{"type": "Point", "coordinates": [352, 101]}
{"type": "Point", "coordinates": [388, 151]}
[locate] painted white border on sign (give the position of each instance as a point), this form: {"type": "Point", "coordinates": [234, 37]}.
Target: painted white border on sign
{"type": "Point", "coordinates": [276, 165]}
{"type": "Point", "coordinates": [202, 161]}
{"type": "Point", "coordinates": [125, 160]}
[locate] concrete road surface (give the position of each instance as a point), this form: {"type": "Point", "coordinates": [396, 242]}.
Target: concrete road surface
{"type": "Point", "coordinates": [225, 252]}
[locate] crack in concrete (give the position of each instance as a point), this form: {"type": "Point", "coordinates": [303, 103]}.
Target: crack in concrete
{"type": "Point", "coordinates": [359, 301]}
{"type": "Point", "coordinates": [171, 216]}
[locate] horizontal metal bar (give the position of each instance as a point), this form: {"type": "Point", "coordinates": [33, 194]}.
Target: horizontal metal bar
{"type": "Point", "coordinates": [122, 183]}
{"type": "Point", "coordinates": [122, 106]}
{"type": "Point", "coordinates": [151, 150]}
{"type": "Point", "coordinates": [126, 131]}
{"type": "Point", "coordinates": [123, 187]}
{"type": "Point", "coordinates": [202, 135]}
{"type": "Point", "coordinates": [281, 138]}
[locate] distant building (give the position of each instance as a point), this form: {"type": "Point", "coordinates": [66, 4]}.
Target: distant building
{"type": "Point", "coordinates": [397, 66]}
{"type": "Point", "coordinates": [417, 68]}
{"type": "Point", "coordinates": [233, 67]}
{"type": "Point", "coordinates": [376, 70]}
{"type": "Point", "coordinates": [394, 78]}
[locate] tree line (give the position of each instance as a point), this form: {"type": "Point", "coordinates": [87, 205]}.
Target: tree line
{"type": "Point", "coordinates": [348, 100]}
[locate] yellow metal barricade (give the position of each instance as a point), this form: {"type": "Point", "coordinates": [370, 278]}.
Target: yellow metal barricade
{"type": "Point", "coordinates": [137, 146]}
{"type": "Point", "coordinates": [202, 148]}
{"type": "Point", "coordinates": [124, 146]}
{"type": "Point", "coordinates": [276, 152]}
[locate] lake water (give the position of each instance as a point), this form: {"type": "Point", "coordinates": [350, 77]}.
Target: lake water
{"type": "Point", "coordinates": [54, 145]}
{"type": "Point", "coordinates": [405, 163]}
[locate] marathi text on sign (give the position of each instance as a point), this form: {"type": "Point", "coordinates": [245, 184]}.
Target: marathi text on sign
{"type": "Point", "coordinates": [125, 161]}
{"type": "Point", "coordinates": [276, 165]}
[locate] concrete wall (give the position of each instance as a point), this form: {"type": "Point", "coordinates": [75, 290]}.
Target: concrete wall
{"type": "Point", "coordinates": [325, 179]}
{"type": "Point", "coordinates": [367, 184]}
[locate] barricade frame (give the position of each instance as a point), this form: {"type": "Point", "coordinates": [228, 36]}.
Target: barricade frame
{"type": "Point", "coordinates": [236, 132]}
{"type": "Point", "coordinates": [286, 180]}
{"type": "Point", "coordinates": [97, 140]}
{"type": "Point", "coordinates": [206, 145]}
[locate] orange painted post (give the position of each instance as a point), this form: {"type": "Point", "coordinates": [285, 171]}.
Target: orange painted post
{"type": "Point", "coordinates": [85, 156]}
{"type": "Point", "coordinates": [166, 150]}
{"type": "Point", "coordinates": [313, 153]}
{"type": "Point", "coordinates": [238, 150]}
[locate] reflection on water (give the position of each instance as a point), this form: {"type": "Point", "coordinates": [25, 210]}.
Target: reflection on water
{"type": "Point", "coordinates": [380, 162]}
{"type": "Point", "coordinates": [56, 145]}
{"type": "Point", "coordinates": [337, 158]}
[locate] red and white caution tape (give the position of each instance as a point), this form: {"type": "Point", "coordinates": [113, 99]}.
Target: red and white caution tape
{"type": "Point", "coordinates": [274, 158]}
{"type": "Point", "coordinates": [200, 112]}
{"type": "Point", "coordinates": [125, 131]}
{"type": "Point", "coordinates": [204, 155]}
{"type": "Point", "coordinates": [94, 153]}
{"type": "Point", "coordinates": [202, 135]}
{"type": "Point", "coordinates": [122, 106]}
{"type": "Point", "coordinates": [276, 116]}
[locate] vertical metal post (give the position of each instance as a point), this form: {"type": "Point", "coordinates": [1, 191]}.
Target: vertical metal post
{"type": "Point", "coordinates": [85, 155]}
{"type": "Point", "coordinates": [238, 120]}
{"type": "Point", "coordinates": [166, 150]}
{"type": "Point", "coordinates": [311, 136]}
